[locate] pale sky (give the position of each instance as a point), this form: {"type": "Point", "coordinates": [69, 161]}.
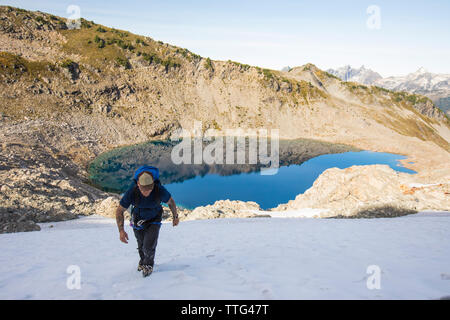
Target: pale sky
{"type": "Point", "coordinates": [275, 34]}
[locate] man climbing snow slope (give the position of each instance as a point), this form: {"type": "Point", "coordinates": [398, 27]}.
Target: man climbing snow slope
{"type": "Point", "coordinates": [145, 197]}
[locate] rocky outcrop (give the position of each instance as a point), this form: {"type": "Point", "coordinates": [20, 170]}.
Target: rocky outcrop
{"type": "Point", "coordinates": [16, 222]}
{"type": "Point", "coordinates": [370, 191]}
{"type": "Point", "coordinates": [224, 209]}
{"type": "Point", "coordinates": [40, 194]}
{"type": "Point", "coordinates": [428, 108]}
{"type": "Point", "coordinates": [108, 206]}
{"type": "Point", "coordinates": [38, 184]}
{"type": "Point", "coordinates": [71, 70]}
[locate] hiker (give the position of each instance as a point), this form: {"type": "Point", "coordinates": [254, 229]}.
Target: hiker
{"type": "Point", "coordinates": [145, 196]}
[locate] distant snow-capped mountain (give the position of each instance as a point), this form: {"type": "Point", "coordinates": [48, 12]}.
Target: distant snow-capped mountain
{"type": "Point", "coordinates": [421, 81]}
{"type": "Point", "coordinates": [435, 86]}
{"type": "Point", "coordinates": [361, 75]}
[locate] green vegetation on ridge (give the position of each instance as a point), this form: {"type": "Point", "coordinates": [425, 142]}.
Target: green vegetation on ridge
{"type": "Point", "coordinates": [16, 66]}
{"type": "Point", "coordinates": [97, 44]}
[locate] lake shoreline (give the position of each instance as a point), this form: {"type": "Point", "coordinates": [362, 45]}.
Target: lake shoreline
{"type": "Point", "coordinates": [44, 176]}
{"type": "Point", "coordinates": [301, 162]}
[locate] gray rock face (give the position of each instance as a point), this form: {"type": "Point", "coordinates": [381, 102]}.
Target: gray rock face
{"type": "Point", "coordinates": [429, 109]}
{"type": "Point", "coordinates": [14, 222]}
{"type": "Point", "coordinates": [39, 185]}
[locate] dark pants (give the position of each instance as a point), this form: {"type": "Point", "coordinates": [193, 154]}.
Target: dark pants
{"type": "Point", "coordinates": [147, 240]}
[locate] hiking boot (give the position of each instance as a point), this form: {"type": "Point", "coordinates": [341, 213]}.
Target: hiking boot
{"type": "Point", "coordinates": [140, 267]}
{"type": "Point", "coordinates": [146, 270]}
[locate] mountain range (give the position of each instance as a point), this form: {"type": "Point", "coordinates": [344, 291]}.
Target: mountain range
{"type": "Point", "coordinates": [435, 86]}
{"type": "Point", "coordinates": [361, 75]}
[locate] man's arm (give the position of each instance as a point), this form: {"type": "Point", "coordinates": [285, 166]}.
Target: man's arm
{"type": "Point", "coordinates": [173, 208]}
{"type": "Point", "coordinates": [120, 221]}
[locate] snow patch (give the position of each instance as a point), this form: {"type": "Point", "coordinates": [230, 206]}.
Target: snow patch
{"type": "Point", "coordinates": [301, 213]}
{"type": "Point", "coordinates": [252, 259]}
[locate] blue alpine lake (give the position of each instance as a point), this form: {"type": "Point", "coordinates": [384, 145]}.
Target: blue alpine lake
{"type": "Point", "coordinates": [301, 162]}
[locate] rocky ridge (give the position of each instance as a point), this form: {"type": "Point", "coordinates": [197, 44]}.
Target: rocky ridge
{"type": "Point", "coordinates": [434, 86]}
{"type": "Point", "coordinates": [370, 191]}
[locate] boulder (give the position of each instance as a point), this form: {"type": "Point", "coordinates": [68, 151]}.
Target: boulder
{"type": "Point", "coordinates": [225, 209]}
{"type": "Point", "coordinates": [107, 207]}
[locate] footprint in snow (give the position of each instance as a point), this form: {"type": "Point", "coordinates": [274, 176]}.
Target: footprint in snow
{"type": "Point", "coordinates": [171, 267]}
